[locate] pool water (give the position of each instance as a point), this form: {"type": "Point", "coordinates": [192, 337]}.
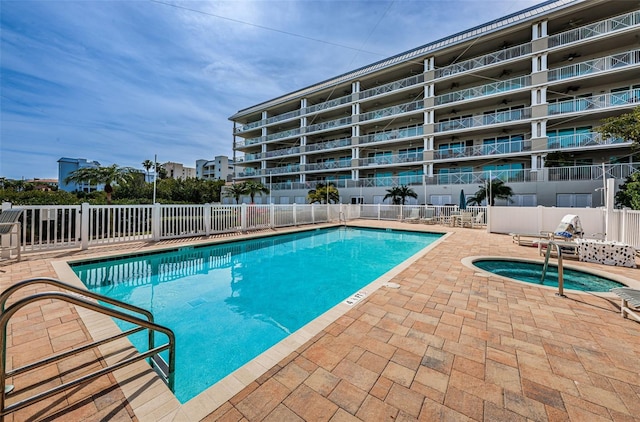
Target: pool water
{"type": "Point", "coordinates": [531, 272]}
{"type": "Point", "coordinates": [228, 303]}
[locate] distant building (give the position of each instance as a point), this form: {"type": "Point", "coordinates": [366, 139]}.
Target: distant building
{"type": "Point", "coordinates": [178, 171]}
{"type": "Point", "coordinates": [43, 184]}
{"type": "Point", "coordinates": [66, 166]}
{"type": "Point", "coordinates": [220, 168]}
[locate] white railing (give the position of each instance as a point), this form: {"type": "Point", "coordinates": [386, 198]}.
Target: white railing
{"type": "Point", "coordinates": [581, 104]}
{"type": "Point", "coordinates": [498, 117]}
{"type": "Point", "coordinates": [604, 64]}
{"type": "Point", "coordinates": [392, 86]}
{"type": "Point", "coordinates": [334, 143]}
{"type": "Point", "coordinates": [120, 224]}
{"type": "Point", "coordinates": [392, 111]}
{"type": "Point", "coordinates": [391, 135]}
{"type": "Point", "coordinates": [328, 104]}
{"type": "Point", "coordinates": [328, 125]}
{"type": "Point", "coordinates": [486, 60]}
{"type": "Point", "coordinates": [577, 140]}
{"type": "Point", "coordinates": [617, 23]}
{"type": "Point", "coordinates": [484, 90]}
{"type": "Point", "coordinates": [485, 149]}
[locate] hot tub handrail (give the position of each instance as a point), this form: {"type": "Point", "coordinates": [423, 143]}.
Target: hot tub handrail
{"type": "Point", "coordinates": [550, 245]}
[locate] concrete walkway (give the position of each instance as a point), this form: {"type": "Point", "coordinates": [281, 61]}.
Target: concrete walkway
{"type": "Point", "coordinates": [450, 344]}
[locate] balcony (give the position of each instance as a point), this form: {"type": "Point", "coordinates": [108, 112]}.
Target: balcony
{"type": "Point", "coordinates": [247, 142]}
{"type": "Point", "coordinates": [595, 102]}
{"type": "Point", "coordinates": [283, 116]}
{"type": "Point", "coordinates": [391, 159]}
{"type": "Point", "coordinates": [285, 134]}
{"type": "Point", "coordinates": [321, 146]}
{"type": "Point", "coordinates": [604, 64]}
{"type": "Point", "coordinates": [498, 117]}
{"type": "Point", "coordinates": [289, 168]}
{"type": "Point", "coordinates": [328, 165]}
{"type": "Point", "coordinates": [281, 152]}
{"type": "Point", "coordinates": [618, 23]}
{"type": "Point", "coordinates": [328, 104]}
{"type": "Point", "coordinates": [249, 126]}
{"type": "Point", "coordinates": [392, 111]}
{"type": "Point", "coordinates": [395, 134]}
{"type": "Point", "coordinates": [249, 172]}
{"type": "Point", "coordinates": [486, 60]}
{"type": "Point", "coordinates": [579, 140]}
{"type": "Point", "coordinates": [392, 86]}
{"type": "Point", "coordinates": [483, 150]}
{"type": "Point", "coordinates": [329, 125]}
{"type": "Point", "coordinates": [484, 90]}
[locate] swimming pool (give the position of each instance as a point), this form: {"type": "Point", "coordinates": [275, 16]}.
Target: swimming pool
{"type": "Point", "coordinates": [531, 272]}
{"type": "Point", "coordinates": [227, 303]}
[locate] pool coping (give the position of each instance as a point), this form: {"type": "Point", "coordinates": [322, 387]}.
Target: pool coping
{"type": "Point", "coordinates": [629, 282]}
{"type": "Point", "coordinates": [151, 399]}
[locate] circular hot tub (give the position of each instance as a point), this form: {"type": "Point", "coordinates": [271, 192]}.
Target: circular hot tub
{"type": "Point", "coordinates": [531, 272]}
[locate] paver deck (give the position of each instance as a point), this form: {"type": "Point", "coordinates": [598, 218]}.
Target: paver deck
{"type": "Point", "coordinates": [450, 344]}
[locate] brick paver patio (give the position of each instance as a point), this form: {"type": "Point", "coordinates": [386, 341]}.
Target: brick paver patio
{"type": "Point", "coordinates": [450, 344]}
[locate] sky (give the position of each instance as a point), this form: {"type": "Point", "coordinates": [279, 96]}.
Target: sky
{"type": "Point", "coordinates": [120, 82]}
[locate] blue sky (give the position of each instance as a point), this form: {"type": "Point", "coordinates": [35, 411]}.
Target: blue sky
{"type": "Point", "coordinates": [120, 81]}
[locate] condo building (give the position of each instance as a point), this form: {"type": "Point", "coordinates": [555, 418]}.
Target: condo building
{"type": "Point", "coordinates": [515, 99]}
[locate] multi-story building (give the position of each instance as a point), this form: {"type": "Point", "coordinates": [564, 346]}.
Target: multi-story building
{"type": "Point", "coordinates": [178, 170]}
{"type": "Point", "coordinates": [493, 101]}
{"type": "Point", "coordinates": [220, 168]}
{"type": "Point", "coordinates": [66, 166]}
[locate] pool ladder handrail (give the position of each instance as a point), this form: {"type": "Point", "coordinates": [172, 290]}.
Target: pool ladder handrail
{"type": "Point", "coordinates": [164, 369]}
{"type": "Point", "coordinates": [342, 219]}
{"type": "Point", "coordinates": [547, 255]}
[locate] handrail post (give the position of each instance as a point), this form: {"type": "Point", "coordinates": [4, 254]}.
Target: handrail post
{"type": "Point", "coordinates": [560, 273]}
{"type": "Point", "coordinates": [84, 226]}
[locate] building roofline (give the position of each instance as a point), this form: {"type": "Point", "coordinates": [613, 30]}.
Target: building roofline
{"type": "Point", "coordinates": [528, 14]}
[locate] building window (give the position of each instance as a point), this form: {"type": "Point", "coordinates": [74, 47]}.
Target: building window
{"type": "Point", "coordinates": [574, 200]}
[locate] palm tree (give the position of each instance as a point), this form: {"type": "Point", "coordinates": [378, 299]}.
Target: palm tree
{"type": "Point", "coordinates": [252, 188]}
{"type": "Point", "coordinates": [399, 194]}
{"type": "Point", "coordinates": [497, 189]}
{"type": "Point", "coordinates": [236, 191]}
{"type": "Point", "coordinates": [147, 164]}
{"type": "Point", "coordinates": [111, 175]}
{"type": "Point", "coordinates": [323, 193]}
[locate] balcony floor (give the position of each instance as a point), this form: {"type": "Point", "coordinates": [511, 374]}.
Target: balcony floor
{"type": "Point", "coordinates": [449, 344]}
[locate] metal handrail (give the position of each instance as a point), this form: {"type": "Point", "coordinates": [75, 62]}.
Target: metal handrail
{"type": "Point", "coordinates": [550, 245]}
{"type": "Point", "coordinates": [142, 324]}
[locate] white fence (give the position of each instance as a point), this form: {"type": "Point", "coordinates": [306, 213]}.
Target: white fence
{"type": "Point", "coordinates": [50, 227]}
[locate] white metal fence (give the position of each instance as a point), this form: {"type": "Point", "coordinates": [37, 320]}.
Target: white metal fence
{"type": "Point", "coordinates": [49, 227]}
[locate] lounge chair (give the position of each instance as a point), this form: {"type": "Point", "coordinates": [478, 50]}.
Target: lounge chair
{"type": "Point", "coordinates": [631, 297]}
{"type": "Point", "coordinates": [9, 220]}
{"type": "Point", "coordinates": [529, 239]}
{"type": "Point", "coordinates": [429, 217]}
{"type": "Point", "coordinates": [414, 216]}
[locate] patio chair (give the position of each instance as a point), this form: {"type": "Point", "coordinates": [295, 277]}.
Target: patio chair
{"type": "Point", "coordinates": [9, 222]}
{"type": "Point", "coordinates": [628, 296]}
{"type": "Point", "coordinates": [478, 220]}
{"type": "Point", "coordinates": [465, 219]}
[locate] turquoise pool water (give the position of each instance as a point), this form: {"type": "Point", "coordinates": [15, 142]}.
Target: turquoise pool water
{"type": "Point", "coordinates": [531, 272]}
{"type": "Point", "coordinates": [228, 303]}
